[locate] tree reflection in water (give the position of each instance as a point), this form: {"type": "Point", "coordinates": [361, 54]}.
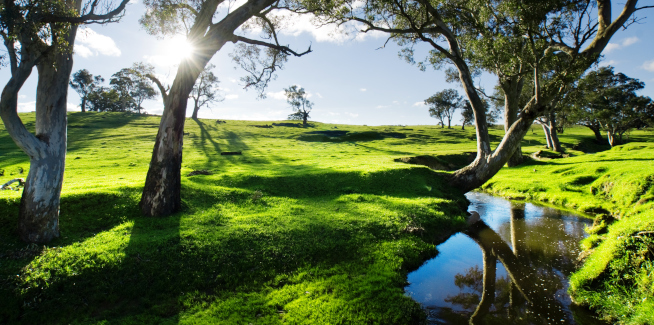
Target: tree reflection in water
{"type": "Point", "coordinates": [539, 258]}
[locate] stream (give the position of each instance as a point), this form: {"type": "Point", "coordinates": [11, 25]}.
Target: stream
{"type": "Point", "coordinates": [510, 268]}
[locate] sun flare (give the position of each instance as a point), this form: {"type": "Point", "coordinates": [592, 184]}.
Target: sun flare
{"type": "Point", "coordinates": [178, 49]}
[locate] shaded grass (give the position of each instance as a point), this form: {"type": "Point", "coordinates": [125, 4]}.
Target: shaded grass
{"type": "Point", "coordinates": [289, 232]}
{"type": "Point", "coordinates": [617, 278]}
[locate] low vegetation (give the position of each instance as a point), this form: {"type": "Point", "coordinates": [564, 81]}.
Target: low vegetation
{"type": "Point", "coordinates": [617, 186]}
{"type": "Point", "coordinates": [308, 225]}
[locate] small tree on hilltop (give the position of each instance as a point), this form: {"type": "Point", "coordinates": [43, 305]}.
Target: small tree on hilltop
{"type": "Point", "coordinates": [298, 99]}
{"type": "Point", "coordinates": [83, 83]}
{"type": "Point", "coordinates": [443, 105]}
{"type": "Point", "coordinates": [205, 90]}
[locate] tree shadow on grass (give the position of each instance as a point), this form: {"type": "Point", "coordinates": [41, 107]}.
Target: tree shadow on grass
{"type": "Point", "coordinates": [120, 267]}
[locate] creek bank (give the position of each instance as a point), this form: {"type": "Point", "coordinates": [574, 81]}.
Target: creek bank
{"type": "Point", "coordinates": [617, 276]}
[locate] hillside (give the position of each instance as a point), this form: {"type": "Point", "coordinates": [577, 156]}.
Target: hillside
{"type": "Point", "coordinates": [307, 225]}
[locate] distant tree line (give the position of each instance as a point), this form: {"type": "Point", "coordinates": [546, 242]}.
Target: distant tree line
{"type": "Point", "coordinates": [130, 87]}
{"type": "Point", "coordinates": [602, 100]}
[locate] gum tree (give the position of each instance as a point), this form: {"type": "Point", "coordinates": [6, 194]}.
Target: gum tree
{"type": "Point", "coordinates": [42, 34]}
{"type": "Point", "coordinates": [206, 90]}
{"type": "Point", "coordinates": [207, 29]}
{"type": "Point", "coordinates": [443, 104]}
{"type": "Point", "coordinates": [83, 83]}
{"type": "Point", "coordinates": [554, 42]}
{"type": "Point", "coordinates": [299, 101]}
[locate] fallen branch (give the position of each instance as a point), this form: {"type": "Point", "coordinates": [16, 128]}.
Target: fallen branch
{"type": "Point", "coordinates": [5, 186]}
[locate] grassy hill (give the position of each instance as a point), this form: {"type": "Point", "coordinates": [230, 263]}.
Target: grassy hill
{"type": "Point", "coordinates": [308, 225]}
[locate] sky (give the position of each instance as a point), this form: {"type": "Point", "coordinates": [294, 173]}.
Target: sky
{"type": "Point", "coordinates": [349, 78]}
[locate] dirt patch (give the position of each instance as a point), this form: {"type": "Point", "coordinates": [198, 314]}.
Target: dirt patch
{"type": "Point", "coordinates": [200, 172]}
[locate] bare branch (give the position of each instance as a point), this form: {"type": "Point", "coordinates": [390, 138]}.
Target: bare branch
{"type": "Point", "coordinates": [162, 89]}
{"type": "Point", "coordinates": [283, 49]}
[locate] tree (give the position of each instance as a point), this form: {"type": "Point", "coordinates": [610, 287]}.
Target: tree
{"type": "Point", "coordinates": [299, 101]}
{"type": "Point", "coordinates": [42, 34]}
{"type": "Point", "coordinates": [467, 114]}
{"type": "Point", "coordinates": [83, 83]}
{"type": "Point", "coordinates": [195, 18]}
{"type": "Point", "coordinates": [104, 99]}
{"type": "Point", "coordinates": [608, 101]}
{"type": "Point", "coordinates": [206, 90]}
{"type": "Point", "coordinates": [443, 105]}
{"type": "Point", "coordinates": [141, 87]}
{"type": "Point", "coordinates": [553, 41]}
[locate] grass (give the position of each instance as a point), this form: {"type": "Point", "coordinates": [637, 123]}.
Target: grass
{"type": "Point", "coordinates": [307, 226]}
{"type": "Point", "coordinates": [291, 231]}
{"type": "Point", "coordinates": [617, 278]}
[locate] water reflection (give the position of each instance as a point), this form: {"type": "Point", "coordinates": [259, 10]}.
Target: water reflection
{"type": "Point", "coordinates": [509, 267]}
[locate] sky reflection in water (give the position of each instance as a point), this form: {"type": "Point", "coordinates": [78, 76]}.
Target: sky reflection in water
{"type": "Point", "coordinates": [450, 286]}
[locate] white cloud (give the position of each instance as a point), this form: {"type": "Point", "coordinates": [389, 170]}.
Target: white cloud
{"type": "Point", "coordinates": [352, 114]}
{"type": "Point", "coordinates": [648, 65]}
{"type": "Point", "coordinates": [381, 106]}
{"type": "Point", "coordinates": [26, 107]}
{"type": "Point", "coordinates": [299, 24]}
{"type": "Point", "coordinates": [319, 95]}
{"type": "Point", "coordinates": [630, 40]}
{"type": "Point", "coordinates": [277, 95]}
{"type": "Point", "coordinates": [363, 89]}
{"type": "Point", "coordinates": [72, 107]}
{"type": "Point", "coordinates": [231, 96]}
{"type": "Point", "coordinates": [90, 43]}
{"type": "Point", "coordinates": [22, 96]}
{"type": "Point", "coordinates": [624, 43]}
{"type": "Point", "coordinates": [233, 80]}
{"type": "Point", "coordinates": [419, 104]}
{"type": "Point", "coordinates": [395, 102]}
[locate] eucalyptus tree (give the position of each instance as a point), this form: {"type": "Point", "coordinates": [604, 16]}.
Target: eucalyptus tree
{"type": "Point", "coordinates": [510, 39]}
{"type": "Point", "coordinates": [443, 104]}
{"type": "Point", "coordinates": [207, 25]}
{"type": "Point", "coordinates": [206, 90]}
{"type": "Point", "coordinates": [608, 101]}
{"type": "Point", "coordinates": [42, 34]}
{"type": "Point", "coordinates": [299, 101]}
{"type": "Point", "coordinates": [83, 83]}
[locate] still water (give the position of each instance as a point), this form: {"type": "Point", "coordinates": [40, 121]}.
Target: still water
{"type": "Point", "coordinates": [510, 268]}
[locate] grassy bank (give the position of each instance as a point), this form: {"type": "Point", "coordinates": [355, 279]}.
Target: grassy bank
{"type": "Point", "coordinates": [617, 277]}
{"type": "Point", "coordinates": [300, 228]}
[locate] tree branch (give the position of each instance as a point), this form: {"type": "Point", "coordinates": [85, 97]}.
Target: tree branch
{"type": "Point", "coordinates": [162, 89]}
{"type": "Point", "coordinates": [283, 49]}
{"type": "Point", "coordinates": [89, 18]}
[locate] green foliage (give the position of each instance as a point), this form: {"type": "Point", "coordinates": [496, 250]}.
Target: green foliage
{"type": "Point", "coordinates": [290, 231]}
{"type": "Point", "coordinates": [607, 101]}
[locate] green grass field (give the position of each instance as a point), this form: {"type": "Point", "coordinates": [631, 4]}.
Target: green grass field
{"type": "Point", "coordinates": [306, 226]}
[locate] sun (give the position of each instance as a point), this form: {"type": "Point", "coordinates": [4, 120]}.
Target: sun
{"type": "Point", "coordinates": [178, 49]}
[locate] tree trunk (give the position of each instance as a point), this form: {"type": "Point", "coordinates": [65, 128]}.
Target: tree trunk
{"type": "Point", "coordinates": [548, 136]}
{"type": "Point", "coordinates": [449, 123]}
{"type": "Point", "coordinates": [512, 89]}
{"type": "Point", "coordinates": [304, 119]}
{"type": "Point", "coordinates": [556, 145]}
{"type": "Point", "coordinates": [611, 137]}
{"type": "Point", "coordinates": [195, 109]}
{"type": "Point", "coordinates": [84, 104]}
{"type": "Point", "coordinates": [38, 220]}
{"type": "Point", "coordinates": [596, 132]}
{"type": "Point", "coordinates": [463, 127]}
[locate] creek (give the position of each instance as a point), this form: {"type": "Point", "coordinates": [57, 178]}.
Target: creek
{"type": "Point", "coordinates": [512, 267]}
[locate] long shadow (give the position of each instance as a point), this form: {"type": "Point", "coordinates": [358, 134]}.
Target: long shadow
{"type": "Point", "coordinates": [167, 261]}
{"type": "Point", "coordinates": [204, 137]}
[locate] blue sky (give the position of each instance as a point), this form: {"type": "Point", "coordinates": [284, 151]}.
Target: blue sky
{"type": "Point", "coordinates": [349, 79]}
